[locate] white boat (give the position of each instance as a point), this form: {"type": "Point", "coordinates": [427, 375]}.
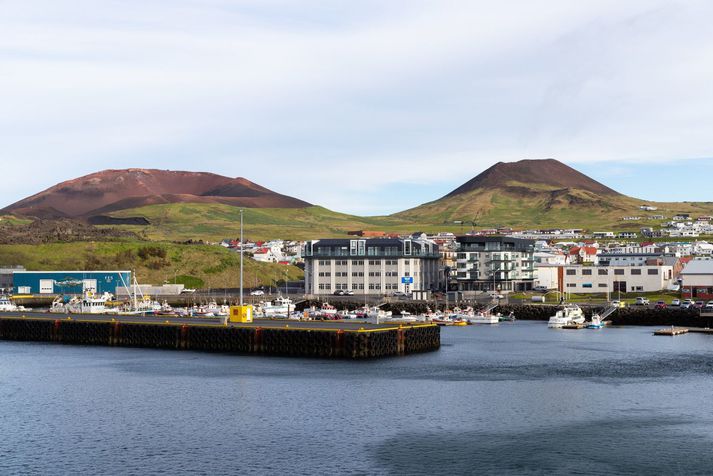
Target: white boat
{"type": "Point", "coordinates": [483, 318]}
{"type": "Point", "coordinates": [376, 315]}
{"type": "Point", "coordinates": [327, 310]}
{"type": "Point", "coordinates": [279, 307]}
{"type": "Point", "coordinates": [89, 303]}
{"type": "Point", "coordinates": [570, 314]}
{"type": "Point", "coordinates": [345, 314]}
{"type": "Point", "coordinates": [596, 322]}
{"type": "Point", "coordinates": [6, 305]}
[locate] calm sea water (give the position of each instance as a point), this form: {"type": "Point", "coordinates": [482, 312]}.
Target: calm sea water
{"type": "Point", "coordinates": [514, 398]}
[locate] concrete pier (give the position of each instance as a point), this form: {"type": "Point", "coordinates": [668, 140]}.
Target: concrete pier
{"type": "Point", "coordinates": [334, 339]}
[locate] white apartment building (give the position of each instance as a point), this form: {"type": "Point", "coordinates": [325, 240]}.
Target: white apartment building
{"type": "Point", "coordinates": [495, 263]}
{"type": "Point", "coordinates": [371, 266]}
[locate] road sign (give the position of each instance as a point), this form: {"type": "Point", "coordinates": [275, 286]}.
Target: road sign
{"type": "Point", "coordinates": [407, 280]}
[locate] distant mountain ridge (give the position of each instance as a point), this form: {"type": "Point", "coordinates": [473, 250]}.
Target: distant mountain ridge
{"type": "Point", "coordinates": [527, 193]}
{"type": "Point", "coordinates": [113, 190]}
{"type": "Point", "coordinates": [548, 172]}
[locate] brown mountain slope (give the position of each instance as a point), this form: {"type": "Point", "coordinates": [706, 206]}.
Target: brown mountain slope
{"type": "Point", "coordinates": [547, 172]}
{"type": "Point", "coordinates": [528, 193]}
{"type": "Point", "coordinates": [112, 190]}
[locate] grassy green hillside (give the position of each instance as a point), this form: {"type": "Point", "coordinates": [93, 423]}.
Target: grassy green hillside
{"type": "Point", "coordinates": [155, 263]}
{"type": "Point", "coordinates": [539, 206]}
{"type": "Point", "coordinates": [214, 222]}
{"type": "Point", "coordinates": [536, 208]}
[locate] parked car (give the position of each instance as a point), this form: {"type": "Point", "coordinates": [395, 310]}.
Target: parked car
{"type": "Point", "coordinates": [540, 289]}
{"type": "Point", "coordinates": [687, 304]}
{"type": "Point", "coordinates": [676, 302]}
{"type": "Point", "coordinates": [699, 304]}
{"type": "Point", "coordinates": [496, 295]}
{"type": "Point", "coordinates": [617, 303]}
{"type": "Point", "coordinates": [339, 292]}
{"type": "Point", "coordinates": [709, 306]}
{"type": "Point", "coordinates": [642, 301]}
{"type": "Point", "coordinates": [660, 305]}
{"type": "Point", "coordinates": [257, 292]}
{"type": "Point", "coordinates": [398, 294]}
{"type": "Point", "coordinates": [349, 293]}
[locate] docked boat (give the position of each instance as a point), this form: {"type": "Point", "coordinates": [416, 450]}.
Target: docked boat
{"type": "Point", "coordinates": [569, 314]}
{"type": "Point", "coordinates": [596, 322]}
{"type": "Point", "coordinates": [327, 310]}
{"type": "Point", "coordinates": [89, 303]}
{"type": "Point", "coordinates": [376, 315]}
{"type": "Point", "coordinates": [6, 305]}
{"type": "Point", "coordinates": [279, 307]}
{"type": "Point", "coordinates": [483, 318]}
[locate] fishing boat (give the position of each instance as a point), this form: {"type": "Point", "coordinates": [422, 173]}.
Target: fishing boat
{"type": "Point", "coordinates": [327, 310]}
{"type": "Point", "coordinates": [279, 307]}
{"type": "Point", "coordinates": [596, 322]}
{"type": "Point", "coordinates": [569, 314]}
{"type": "Point", "coordinates": [89, 303]}
{"type": "Point", "coordinates": [6, 305]}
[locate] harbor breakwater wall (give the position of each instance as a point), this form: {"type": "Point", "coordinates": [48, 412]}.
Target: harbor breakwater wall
{"type": "Point", "coordinates": [629, 316]}
{"type": "Point", "coordinates": [298, 342]}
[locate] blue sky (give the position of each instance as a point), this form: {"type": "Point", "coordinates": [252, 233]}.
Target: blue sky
{"type": "Point", "coordinates": [364, 107]}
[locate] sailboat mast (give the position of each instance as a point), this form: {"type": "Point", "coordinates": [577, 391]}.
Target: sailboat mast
{"type": "Point", "coordinates": [241, 256]}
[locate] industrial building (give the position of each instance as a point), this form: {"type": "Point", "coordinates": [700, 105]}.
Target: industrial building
{"type": "Point", "coordinates": [69, 282]}
{"type": "Point", "coordinates": [6, 277]}
{"type": "Point", "coordinates": [373, 266]}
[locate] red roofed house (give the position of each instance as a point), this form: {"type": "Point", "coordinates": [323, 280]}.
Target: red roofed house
{"type": "Point", "coordinates": [264, 255]}
{"type": "Point", "coordinates": [583, 255]}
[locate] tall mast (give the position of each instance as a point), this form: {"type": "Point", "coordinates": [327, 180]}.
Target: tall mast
{"type": "Point", "coordinates": [241, 256]}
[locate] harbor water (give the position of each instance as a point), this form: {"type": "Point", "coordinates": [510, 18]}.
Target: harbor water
{"type": "Point", "coordinates": [507, 399]}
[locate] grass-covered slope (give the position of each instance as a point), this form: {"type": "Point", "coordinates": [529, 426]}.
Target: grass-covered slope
{"type": "Point", "coordinates": [155, 263]}
{"type": "Point", "coordinates": [214, 222]}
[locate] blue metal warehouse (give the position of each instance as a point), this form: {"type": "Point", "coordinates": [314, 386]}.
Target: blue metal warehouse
{"type": "Point", "coordinates": [69, 282]}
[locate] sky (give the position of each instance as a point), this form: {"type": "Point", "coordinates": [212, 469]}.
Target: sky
{"type": "Point", "coordinates": [365, 107]}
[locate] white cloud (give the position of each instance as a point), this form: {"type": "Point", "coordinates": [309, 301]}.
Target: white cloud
{"type": "Point", "coordinates": [337, 101]}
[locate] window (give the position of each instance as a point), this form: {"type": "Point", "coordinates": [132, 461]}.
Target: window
{"type": "Point", "coordinates": [407, 262]}
{"type": "Point", "coordinates": [407, 247]}
{"type": "Point", "coordinates": [571, 272]}
{"type": "Point", "coordinates": [587, 285]}
{"type": "Point", "coordinates": [373, 263]}
{"type": "Point", "coordinates": [619, 272]}
{"type": "Point", "coordinates": [406, 273]}
{"type": "Point", "coordinates": [374, 273]}
{"type": "Point", "coordinates": [357, 274]}
{"type": "Point", "coordinates": [602, 272]}
{"type": "Point", "coordinates": [323, 262]}
{"type": "Point", "coordinates": [653, 271]}
{"type": "Point", "coordinates": [361, 244]}
{"type": "Point", "coordinates": [602, 285]}
{"type": "Point", "coordinates": [635, 272]}
{"type": "Point", "coordinates": [586, 272]}
{"type": "Point", "coordinates": [571, 285]}
{"type": "Point", "coordinates": [352, 247]}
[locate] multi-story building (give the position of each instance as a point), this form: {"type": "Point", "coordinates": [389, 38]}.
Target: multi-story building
{"type": "Point", "coordinates": [371, 266]}
{"type": "Point", "coordinates": [625, 278]}
{"type": "Point", "coordinates": [495, 263]}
